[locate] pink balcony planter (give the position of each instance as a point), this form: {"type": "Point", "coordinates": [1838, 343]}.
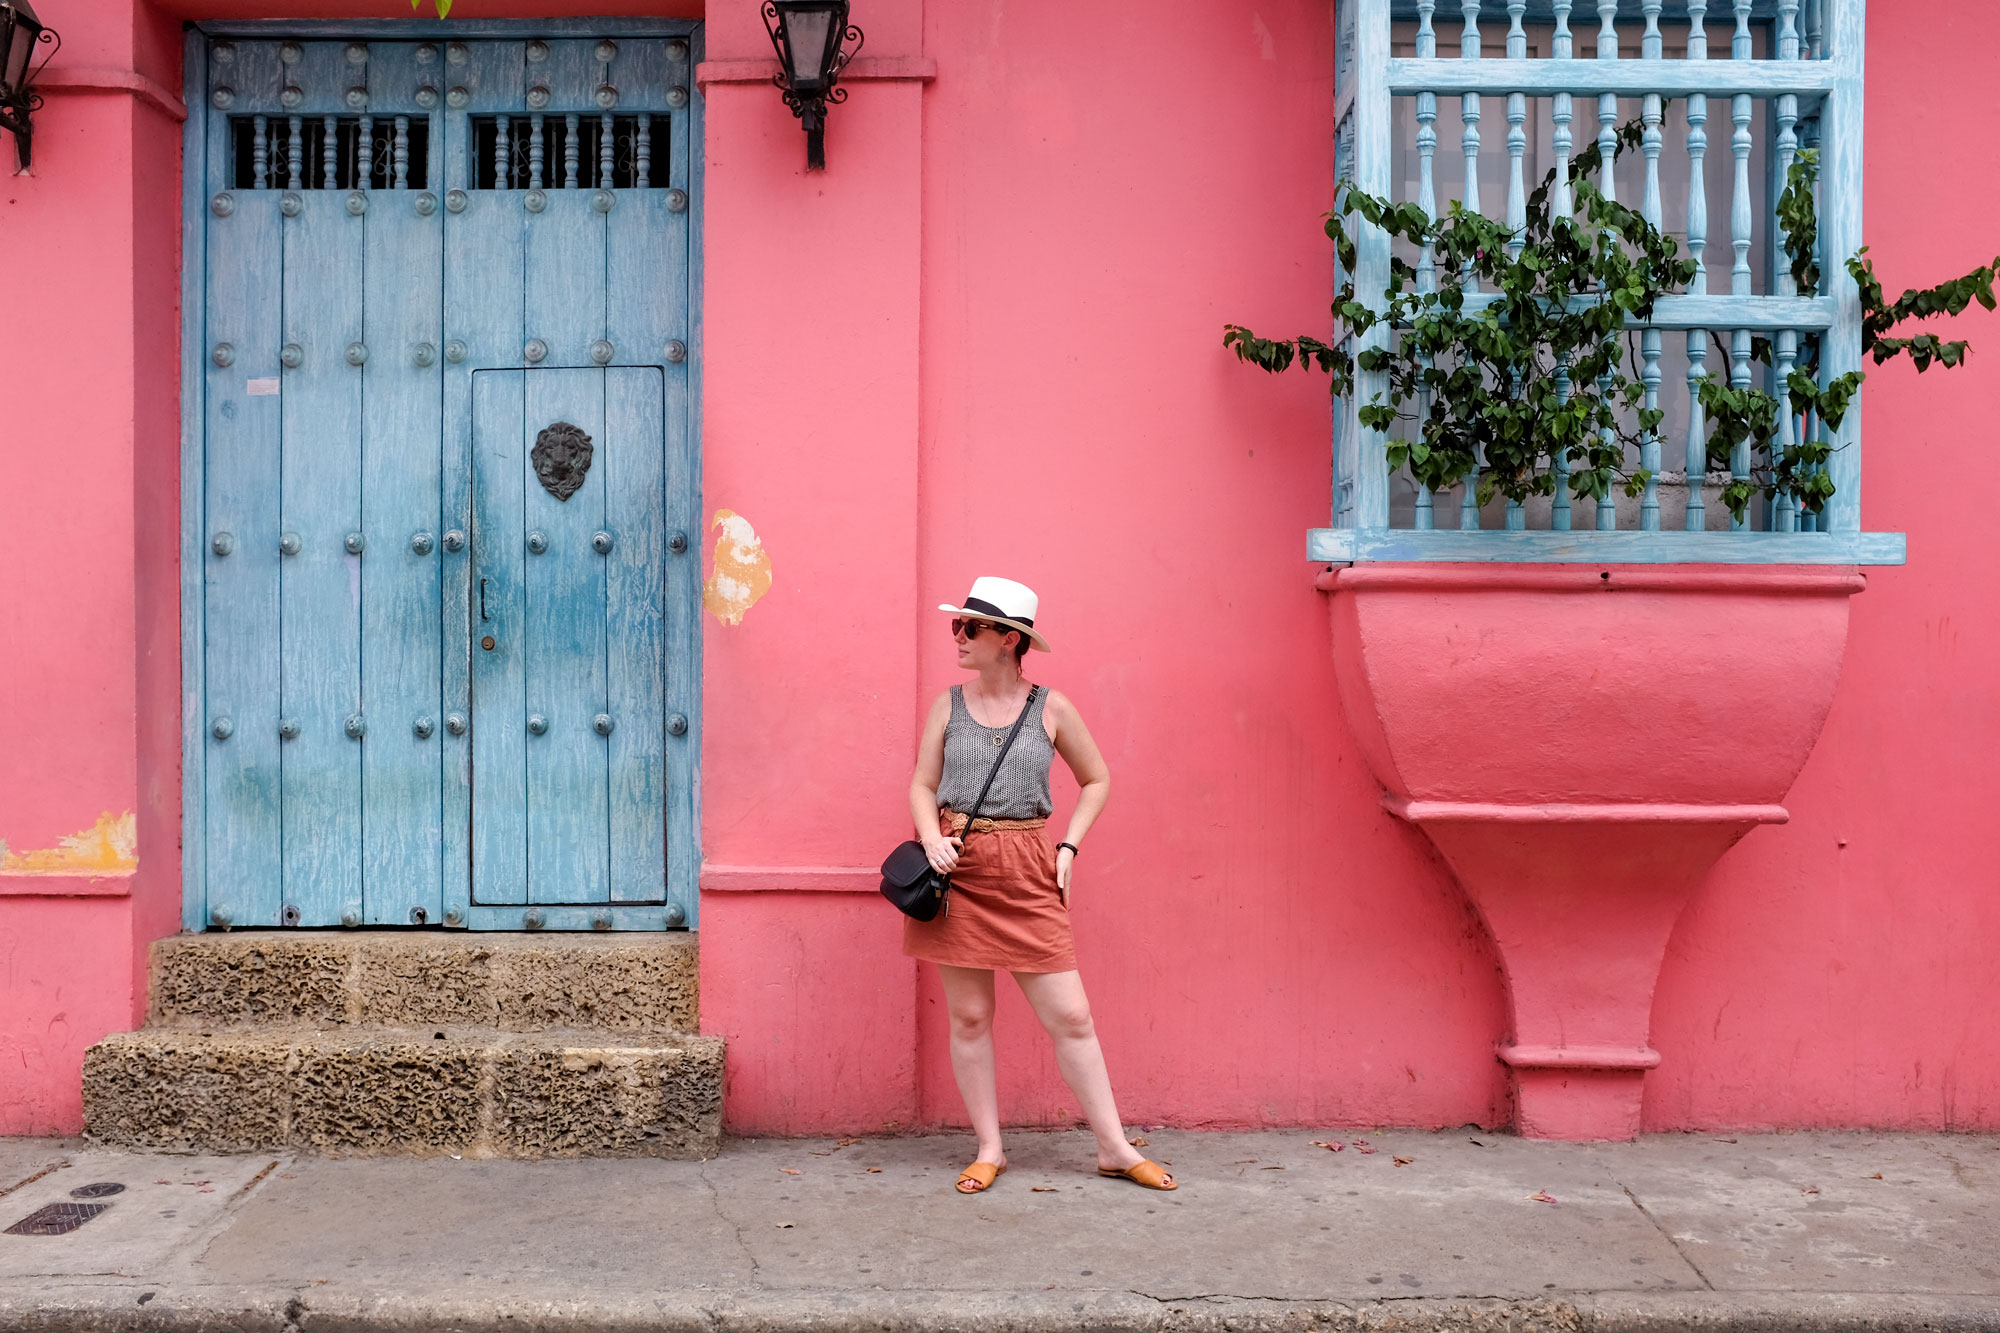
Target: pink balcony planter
{"type": "Point", "coordinates": [1582, 743]}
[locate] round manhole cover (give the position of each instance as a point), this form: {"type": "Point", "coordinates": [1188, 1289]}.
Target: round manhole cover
{"type": "Point", "coordinates": [100, 1190]}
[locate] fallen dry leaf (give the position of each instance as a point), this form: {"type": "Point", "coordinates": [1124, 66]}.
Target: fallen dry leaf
{"type": "Point", "coordinates": [163, 1182]}
{"type": "Point", "coordinates": [1139, 1142]}
{"type": "Point", "coordinates": [1876, 1176]}
{"type": "Point", "coordinates": [1403, 1161]}
{"type": "Point", "coordinates": [1542, 1196]}
{"type": "Point", "coordinates": [1331, 1145]}
{"type": "Point", "coordinates": [1724, 1140]}
{"type": "Point", "coordinates": [1810, 1189]}
{"type": "Point", "coordinates": [1043, 1189]}
{"type": "Point", "coordinates": [288, 1175]}
{"type": "Point", "coordinates": [791, 1170]}
{"type": "Point", "coordinates": [1361, 1147]}
{"type": "Point", "coordinates": [1243, 1161]}
{"type": "Point", "coordinates": [784, 1226]}
{"type": "Point", "coordinates": [873, 1171]}
{"type": "Point", "coordinates": [847, 1143]}
{"type": "Point", "coordinates": [1270, 1168]}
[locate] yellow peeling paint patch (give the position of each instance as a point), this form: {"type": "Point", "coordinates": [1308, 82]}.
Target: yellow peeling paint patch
{"type": "Point", "coordinates": [741, 570]}
{"type": "Point", "coordinates": [109, 848]}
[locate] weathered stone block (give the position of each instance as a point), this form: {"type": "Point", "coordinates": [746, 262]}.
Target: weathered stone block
{"type": "Point", "coordinates": [560, 1098]}
{"type": "Point", "coordinates": [516, 983]}
{"type": "Point", "coordinates": [188, 1091]}
{"type": "Point", "coordinates": [258, 976]}
{"type": "Point", "coordinates": [621, 983]}
{"type": "Point", "coordinates": [368, 1092]}
{"type": "Point", "coordinates": [413, 980]}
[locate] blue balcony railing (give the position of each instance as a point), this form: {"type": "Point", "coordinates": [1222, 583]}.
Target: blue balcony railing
{"type": "Point", "coordinates": [1729, 91]}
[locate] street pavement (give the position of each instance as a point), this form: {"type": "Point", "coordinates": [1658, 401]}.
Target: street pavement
{"type": "Point", "coordinates": [1399, 1230]}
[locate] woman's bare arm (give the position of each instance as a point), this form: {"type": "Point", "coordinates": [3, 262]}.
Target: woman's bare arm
{"type": "Point", "coordinates": [1073, 742]}
{"type": "Point", "coordinates": [942, 851]}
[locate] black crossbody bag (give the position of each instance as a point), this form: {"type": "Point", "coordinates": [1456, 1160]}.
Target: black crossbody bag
{"type": "Point", "coordinates": [908, 879]}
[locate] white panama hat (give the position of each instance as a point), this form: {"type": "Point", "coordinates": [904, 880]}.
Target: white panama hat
{"type": "Point", "coordinates": [1004, 602]}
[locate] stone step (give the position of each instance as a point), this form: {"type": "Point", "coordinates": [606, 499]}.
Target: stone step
{"type": "Point", "coordinates": [628, 982]}
{"type": "Point", "coordinates": [406, 1091]}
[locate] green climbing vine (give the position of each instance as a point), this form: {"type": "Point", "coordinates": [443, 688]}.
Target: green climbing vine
{"type": "Point", "coordinates": [1543, 386]}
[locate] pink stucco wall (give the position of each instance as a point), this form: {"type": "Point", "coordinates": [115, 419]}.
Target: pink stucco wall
{"type": "Point", "coordinates": [1100, 191]}
{"type": "Point", "coordinates": [1011, 363]}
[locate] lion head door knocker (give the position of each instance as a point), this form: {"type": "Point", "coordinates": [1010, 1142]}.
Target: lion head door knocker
{"type": "Point", "coordinates": [562, 458]}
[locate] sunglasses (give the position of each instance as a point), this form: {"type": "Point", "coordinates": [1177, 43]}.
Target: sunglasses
{"type": "Point", "coordinates": [971, 628]}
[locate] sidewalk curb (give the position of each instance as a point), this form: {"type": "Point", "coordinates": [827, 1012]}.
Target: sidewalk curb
{"type": "Point", "coordinates": [151, 1308]}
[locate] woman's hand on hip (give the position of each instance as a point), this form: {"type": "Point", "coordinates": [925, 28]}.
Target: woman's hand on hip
{"type": "Point", "coordinates": [943, 852]}
{"type": "Point", "coordinates": [1065, 859]}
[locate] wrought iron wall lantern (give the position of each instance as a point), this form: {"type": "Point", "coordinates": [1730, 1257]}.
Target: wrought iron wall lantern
{"type": "Point", "coordinates": [814, 41]}
{"type": "Point", "coordinates": [20, 33]}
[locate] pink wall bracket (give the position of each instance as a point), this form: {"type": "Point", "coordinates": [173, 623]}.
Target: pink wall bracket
{"type": "Point", "coordinates": [1582, 743]}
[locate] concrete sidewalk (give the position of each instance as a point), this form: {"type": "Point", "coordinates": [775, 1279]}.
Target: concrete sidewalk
{"type": "Point", "coordinates": [1459, 1230]}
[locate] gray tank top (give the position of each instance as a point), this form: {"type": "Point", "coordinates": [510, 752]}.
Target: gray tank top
{"type": "Point", "coordinates": [1020, 788]}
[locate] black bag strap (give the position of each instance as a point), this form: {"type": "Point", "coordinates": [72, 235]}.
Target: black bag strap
{"type": "Point", "coordinates": [994, 772]}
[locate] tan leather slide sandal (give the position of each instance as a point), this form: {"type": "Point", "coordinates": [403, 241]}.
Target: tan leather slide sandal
{"type": "Point", "coordinates": [1148, 1173]}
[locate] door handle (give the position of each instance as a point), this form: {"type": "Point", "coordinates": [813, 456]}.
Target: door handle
{"type": "Point", "coordinates": [482, 599]}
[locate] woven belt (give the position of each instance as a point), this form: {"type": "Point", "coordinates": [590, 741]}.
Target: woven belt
{"type": "Point", "coordinates": [954, 823]}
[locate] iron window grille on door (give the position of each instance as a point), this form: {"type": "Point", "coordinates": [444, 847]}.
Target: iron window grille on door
{"type": "Point", "coordinates": [1756, 78]}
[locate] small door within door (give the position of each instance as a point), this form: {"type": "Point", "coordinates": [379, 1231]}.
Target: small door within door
{"type": "Point", "coordinates": [568, 628]}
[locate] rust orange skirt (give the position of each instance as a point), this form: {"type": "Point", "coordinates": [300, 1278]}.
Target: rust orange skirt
{"type": "Point", "coordinates": [1004, 910]}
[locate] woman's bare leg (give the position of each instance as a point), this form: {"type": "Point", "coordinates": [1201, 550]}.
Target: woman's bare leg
{"type": "Point", "coordinates": [1059, 1001]}
{"type": "Point", "coordinates": [968, 998]}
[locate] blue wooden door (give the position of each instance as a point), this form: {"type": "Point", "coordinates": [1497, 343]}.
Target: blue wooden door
{"type": "Point", "coordinates": [420, 258]}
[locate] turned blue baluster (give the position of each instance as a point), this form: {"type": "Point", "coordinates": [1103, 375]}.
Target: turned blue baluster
{"type": "Point", "coordinates": [1559, 504]}
{"type": "Point", "coordinates": [503, 133]}
{"type": "Point", "coordinates": [1649, 442]}
{"type": "Point", "coordinates": [402, 152]}
{"type": "Point", "coordinates": [1563, 112]}
{"type": "Point", "coordinates": [1741, 221]}
{"type": "Point", "coordinates": [1652, 112]}
{"type": "Point", "coordinates": [329, 154]}
{"type": "Point", "coordinates": [1517, 134]}
{"type": "Point", "coordinates": [1785, 346]}
{"type": "Point", "coordinates": [643, 148]}
{"type": "Point", "coordinates": [607, 147]}
{"type": "Point", "coordinates": [571, 136]}
{"type": "Point", "coordinates": [1469, 49]}
{"type": "Point", "coordinates": [1809, 426]}
{"type": "Point", "coordinates": [1784, 511]}
{"type": "Point", "coordinates": [1427, 111]}
{"type": "Point", "coordinates": [363, 166]}
{"type": "Point", "coordinates": [295, 153]}
{"type": "Point", "coordinates": [1607, 103]}
{"type": "Point", "coordinates": [260, 151]}
{"type": "Point", "coordinates": [1607, 505]}
{"type": "Point", "coordinates": [1697, 242]}
{"type": "Point", "coordinates": [536, 125]}
{"type": "Point", "coordinates": [1607, 147]}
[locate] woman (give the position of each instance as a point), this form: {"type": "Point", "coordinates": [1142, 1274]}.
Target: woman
{"type": "Point", "coordinates": [1009, 901]}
